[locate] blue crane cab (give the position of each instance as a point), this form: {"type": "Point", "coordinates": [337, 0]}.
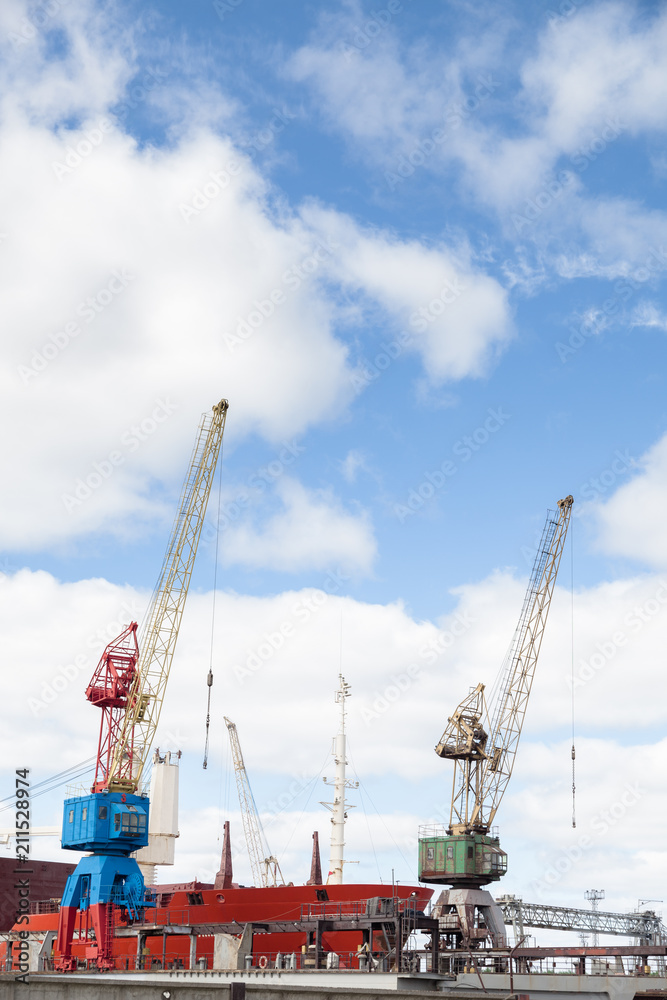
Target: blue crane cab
{"type": "Point", "coordinates": [112, 822]}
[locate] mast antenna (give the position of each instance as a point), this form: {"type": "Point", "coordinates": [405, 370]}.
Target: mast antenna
{"type": "Point", "coordinates": [339, 806]}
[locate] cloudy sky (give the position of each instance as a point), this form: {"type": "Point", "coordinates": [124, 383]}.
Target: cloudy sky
{"type": "Point", "coordinates": [421, 249]}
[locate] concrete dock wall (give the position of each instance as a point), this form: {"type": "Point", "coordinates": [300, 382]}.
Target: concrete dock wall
{"type": "Point", "coordinates": [281, 985]}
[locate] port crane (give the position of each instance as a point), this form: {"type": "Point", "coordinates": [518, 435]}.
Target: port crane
{"type": "Point", "coordinates": [482, 742]}
{"type": "Point", "coordinates": [111, 822]}
{"type": "Point", "coordinates": [265, 867]}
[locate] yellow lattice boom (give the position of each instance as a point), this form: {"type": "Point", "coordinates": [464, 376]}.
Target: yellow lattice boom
{"type": "Point", "coordinates": [484, 749]}
{"type": "Point", "coordinates": [160, 630]}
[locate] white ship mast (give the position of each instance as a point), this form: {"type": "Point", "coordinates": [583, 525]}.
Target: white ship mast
{"type": "Point", "coordinates": [339, 807]}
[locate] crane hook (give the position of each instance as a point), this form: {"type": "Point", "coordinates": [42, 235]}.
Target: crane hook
{"type": "Point", "coordinates": [209, 682]}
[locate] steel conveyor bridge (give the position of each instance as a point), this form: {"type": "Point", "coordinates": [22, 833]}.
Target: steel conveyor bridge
{"type": "Point", "coordinates": [646, 927]}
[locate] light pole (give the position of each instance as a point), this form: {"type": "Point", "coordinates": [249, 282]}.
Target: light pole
{"type": "Point", "coordinates": [594, 895]}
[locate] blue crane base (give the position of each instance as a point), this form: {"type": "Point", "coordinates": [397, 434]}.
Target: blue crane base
{"type": "Point", "coordinates": [95, 888]}
{"type": "Point", "coordinates": [112, 825]}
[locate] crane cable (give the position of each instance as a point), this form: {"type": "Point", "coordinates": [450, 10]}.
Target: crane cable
{"type": "Point", "coordinates": [209, 678]}
{"type": "Point", "coordinates": [573, 752]}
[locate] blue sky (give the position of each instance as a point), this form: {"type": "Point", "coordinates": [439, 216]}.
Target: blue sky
{"type": "Point", "coordinates": [421, 249]}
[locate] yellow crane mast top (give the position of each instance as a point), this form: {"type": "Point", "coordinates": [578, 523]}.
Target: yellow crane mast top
{"type": "Point", "coordinates": [163, 619]}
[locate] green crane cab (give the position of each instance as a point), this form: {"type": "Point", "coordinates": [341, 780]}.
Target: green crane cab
{"type": "Point", "coordinates": [466, 861]}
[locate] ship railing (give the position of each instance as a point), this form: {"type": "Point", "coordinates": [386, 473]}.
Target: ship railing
{"type": "Point", "coordinates": [45, 906]}
{"type": "Point", "coordinates": [430, 830]}
{"type": "Point", "coordinates": [76, 791]}
{"type": "Point", "coordinates": [382, 906]}
{"type": "Point", "coordinates": [172, 917]}
{"type": "Point", "coordinates": [496, 963]}
{"type": "Point", "coordinates": [262, 962]}
{"type": "Point", "coordinates": [478, 963]}
{"type": "Point", "coordinates": [333, 911]}
{"type": "Point", "coordinates": [80, 789]}
{"type": "Point", "coordinates": [378, 906]}
{"type": "Point", "coordinates": [168, 916]}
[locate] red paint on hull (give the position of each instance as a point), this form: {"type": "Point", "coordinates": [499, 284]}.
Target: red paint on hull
{"type": "Point", "coordinates": [196, 904]}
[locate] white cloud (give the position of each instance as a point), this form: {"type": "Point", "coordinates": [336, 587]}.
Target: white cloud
{"type": "Point", "coordinates": [582, 84]}
{"type": "Point", "coordinates": [135, 276]}
{"type": "Point", "coordinates": [632, 522]}
{"type": "Point", "coordinates": [407, 676]}
{"type": "Point", "coordinates": [622, 239]}
{"type": "Point", "coordinates": [390, 101]}
{"type": "Point", "coordinates": [620, 788]}
{"type": "Point", "coordinates": [647, 314]}
{"type": "Point", "coordinates": [264, 648]}
{"type": "Point", "coordinates": [161, 337]}
{"type": "Point", "coordinates": [456, 316]}
{"type": "Point", "coordinates": [603, 64]}
{"type": "Point", "coordinates": [311, 531]}
{"type": "Point", "coordinates": [350, 465]}
{"type": "Point", "coordinates": [276, 661]}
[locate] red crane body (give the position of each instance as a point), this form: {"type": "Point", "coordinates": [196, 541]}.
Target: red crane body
{"type": "Point", "coordinates": [110, 688]}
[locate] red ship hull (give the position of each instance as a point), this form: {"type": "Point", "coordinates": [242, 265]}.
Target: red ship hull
{"type": "Point", "coordinates": [205, 909]}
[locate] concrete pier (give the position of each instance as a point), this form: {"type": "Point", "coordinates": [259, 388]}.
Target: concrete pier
{"type": "Point", "coordinates": [282, 985]}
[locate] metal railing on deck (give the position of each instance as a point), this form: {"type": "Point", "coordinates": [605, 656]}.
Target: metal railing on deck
{"type": "Point", "coordinates": [45, 906]}
{"type": "Point", "coordinates": [475, 964]}
{"type": "Point", "coordinates": [268, 961]}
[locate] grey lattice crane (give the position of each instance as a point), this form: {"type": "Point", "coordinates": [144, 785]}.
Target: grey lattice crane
{"type": "Point", "coordinates": [264, 866]}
